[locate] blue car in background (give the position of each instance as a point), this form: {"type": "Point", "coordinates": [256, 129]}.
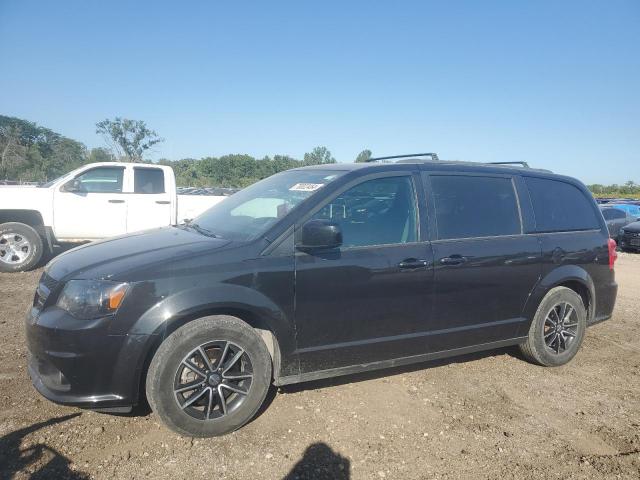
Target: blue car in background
{"type": "Point", "coordinates": [633, 210]}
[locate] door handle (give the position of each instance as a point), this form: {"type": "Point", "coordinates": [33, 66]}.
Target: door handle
{"type": "Point", "coordinates": [453, 260]}
{"type": "Point", "coordinates": [116, 201]}
{"type": "Point", "coordinates": [413, 263]}
{"type": "Point", "coordinates": [163, 202]}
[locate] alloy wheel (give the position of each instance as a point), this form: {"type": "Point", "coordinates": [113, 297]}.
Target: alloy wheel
{"type": "Point", "coordinates": [560, 327]}
{"type": "Point", "coordinates": [213, 380]}
{"type": "Point", "coordinates": [14, 248]}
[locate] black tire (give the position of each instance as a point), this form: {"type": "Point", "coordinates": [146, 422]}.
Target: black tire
{"type": "Point", "coordinates": [14, 234]}
{"type": "Point", "coordinates": [537, 349]}
{"type": "Point", "coordinates": [167, 368]}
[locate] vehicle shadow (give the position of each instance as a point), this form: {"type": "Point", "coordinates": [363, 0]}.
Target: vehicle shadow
{"type": "Point", "coordinates": [320, 462]}
{"type": "Point", "coordinates": [39, 460]}
{"type": "Point", "coordinates": [391, 371]}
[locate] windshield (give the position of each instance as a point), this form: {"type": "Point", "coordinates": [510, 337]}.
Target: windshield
{"type": "Point", "coordinates": [249, 213]}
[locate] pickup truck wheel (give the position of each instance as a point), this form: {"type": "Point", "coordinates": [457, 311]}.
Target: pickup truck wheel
{"type": "Point", "coordinates": [20, 247]}
{"type": "Point", "coordinates": [209, 377]}
{"type": "Point", "coordinates": [557, 330]}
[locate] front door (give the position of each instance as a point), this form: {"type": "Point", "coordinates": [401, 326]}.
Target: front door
{"type": "Point", "coordinates": [96, 208]}
{"type": "Point", "coordinates": [371, 299]}
{"type": "Point", "coordinates": [485, 267]}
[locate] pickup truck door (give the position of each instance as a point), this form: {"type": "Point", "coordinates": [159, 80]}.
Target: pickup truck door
{"type": "Point", "coordinates": [150, 202]}
{"type": "Point", "coordinates": [91, 205]}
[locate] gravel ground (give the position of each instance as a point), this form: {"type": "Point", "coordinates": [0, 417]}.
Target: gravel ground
{"type": "Point", "coordinates": [483, 416]}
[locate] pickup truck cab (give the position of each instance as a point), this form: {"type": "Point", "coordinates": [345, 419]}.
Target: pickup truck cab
{"type": "Point", "coordinates": [96, 201]}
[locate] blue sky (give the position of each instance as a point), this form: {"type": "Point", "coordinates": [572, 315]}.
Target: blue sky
{"type": "Point", "coordinates": [554, 83]}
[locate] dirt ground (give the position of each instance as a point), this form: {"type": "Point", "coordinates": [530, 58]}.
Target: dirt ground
{"type": "Point", "coordinates": [484, 416]}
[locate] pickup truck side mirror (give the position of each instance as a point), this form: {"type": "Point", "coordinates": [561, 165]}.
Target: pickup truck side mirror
{"type": "Point", "coordinates": [319, 234]}
{"type": "Point", "coordinates": [73, 186]}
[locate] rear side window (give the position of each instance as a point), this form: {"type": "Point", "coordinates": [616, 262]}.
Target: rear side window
{"type": "Point", "coordinates": [560, 206]}
{"type": "Point", "coordinates": [613, 214]}
{"type": "Point", "coordinates": [472, 206]}
{"type": "Point", "coordinates": [148, 180]}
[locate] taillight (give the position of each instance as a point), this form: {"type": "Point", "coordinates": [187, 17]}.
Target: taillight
{"type": "Point", "coordinates": [613, 255]}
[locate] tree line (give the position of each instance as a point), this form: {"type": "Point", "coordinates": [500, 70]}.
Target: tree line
{"type": "Point", "coordinates": [32, 153]}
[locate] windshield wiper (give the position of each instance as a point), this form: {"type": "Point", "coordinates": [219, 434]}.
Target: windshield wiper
{"type": "Point", "coordinates": [202, 230]}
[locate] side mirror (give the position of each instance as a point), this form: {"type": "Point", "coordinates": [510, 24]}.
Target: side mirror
{"type": "Point", "coordinates": [73, 186]}
{"type": "Point", "coordinates": [319, 234]}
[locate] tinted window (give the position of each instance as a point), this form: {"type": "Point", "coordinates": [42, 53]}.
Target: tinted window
{"type": "Point", "coordinates": [613, 214]}
{"type": "Point", "coordinates": [102, 180]}
{"type": "Point", "coordinates": [376, 212]}
{"type": "Point", "coordinates": [560, 206]}
{"type": "Point", "coordinates": [148, 180]}
{"type": "Point", "coordinates": [469, 207]}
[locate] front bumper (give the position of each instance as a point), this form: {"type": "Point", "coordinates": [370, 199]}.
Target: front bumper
{"type": "Point", "coordinates": [76, 362]}
{"type": "Point", "coordinates": [629, 241]}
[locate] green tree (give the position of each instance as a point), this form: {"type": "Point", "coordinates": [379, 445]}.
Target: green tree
{"type": "Point", "coordinates": [128, 139]}
{"type": "Point", "coordinates": [318, 156]}
{"type": "Point", "coordinates": [363, 156]}
{"type": "Point", "coordinates": [99, 155]}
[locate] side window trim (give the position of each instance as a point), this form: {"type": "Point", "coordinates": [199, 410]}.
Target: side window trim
{"type": "Point", "coordinates": [358, 181]}
{"type": "Point", "coordinates": [433, 221]}
{"type": "Point", "coordinates": [122, 190]}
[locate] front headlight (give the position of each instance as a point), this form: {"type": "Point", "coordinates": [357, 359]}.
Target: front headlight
{"type": "Point", "coordinates": [89, 299]}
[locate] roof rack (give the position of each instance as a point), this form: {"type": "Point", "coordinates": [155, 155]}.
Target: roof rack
{"type": "Point", "coordinates": [434, 156]}
{"type": "Point", "coordinates": [523, 164]}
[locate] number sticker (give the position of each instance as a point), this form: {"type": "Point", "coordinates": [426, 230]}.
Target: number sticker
{"type": "Point", "coordinates": [306, 187]}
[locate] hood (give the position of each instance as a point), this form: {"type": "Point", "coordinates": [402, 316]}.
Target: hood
{"type": "Point", "coordinates": [27, 196]}
{"type": "Point", "coordinates": [119, 257]}
{"type": "Point", "coordinates": [632, 227]}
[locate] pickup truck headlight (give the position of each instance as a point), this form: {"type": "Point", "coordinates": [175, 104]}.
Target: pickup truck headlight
{"type": "Point", "coordinates": [89, 299]}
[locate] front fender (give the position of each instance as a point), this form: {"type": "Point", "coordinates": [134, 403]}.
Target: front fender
{"type": "Point", "coordinates": [252, 306]}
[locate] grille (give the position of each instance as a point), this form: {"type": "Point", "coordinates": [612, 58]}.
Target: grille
{"type": "Point", "coordinates": [46, 286]}
{"type": "Point", "coordinates": [49, 282]}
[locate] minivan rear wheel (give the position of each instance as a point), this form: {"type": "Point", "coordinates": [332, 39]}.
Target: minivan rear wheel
{"type": "Point", "coordinates": [209, 377]}
{"type": "Point", "coordinates": [557, 329]}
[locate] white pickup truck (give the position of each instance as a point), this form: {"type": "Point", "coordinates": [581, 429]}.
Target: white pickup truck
{"type": "Point", "coordinates": [98, 200]}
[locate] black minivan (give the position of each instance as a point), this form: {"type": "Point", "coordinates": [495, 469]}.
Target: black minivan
{"type": "Point", "coordinates": [322, 271]}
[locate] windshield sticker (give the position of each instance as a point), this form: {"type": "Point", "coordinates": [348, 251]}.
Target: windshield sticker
{"type": "Point", "coordinates": [306, 187]}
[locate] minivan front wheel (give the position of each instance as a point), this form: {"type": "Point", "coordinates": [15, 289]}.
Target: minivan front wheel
{"type": "Point", "coordinates": [557, 330]}
{"type": "Point", "coordinates": [209, 377]}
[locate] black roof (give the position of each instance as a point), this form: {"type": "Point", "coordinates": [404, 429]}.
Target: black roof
{"type": "Point", "coordinates": [445, 166]}
{"type": "Point", "coordinates": [438, 165]}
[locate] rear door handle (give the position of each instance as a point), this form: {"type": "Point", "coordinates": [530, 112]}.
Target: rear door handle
{"type": "Point", "coordinates": [116, 201]}
{"type": "Point", "coordinates": [413, 263]}
{"type": "Point", "coordinates": [453, 260]}
{"type": "Point", "coordinates": [163, 202]}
